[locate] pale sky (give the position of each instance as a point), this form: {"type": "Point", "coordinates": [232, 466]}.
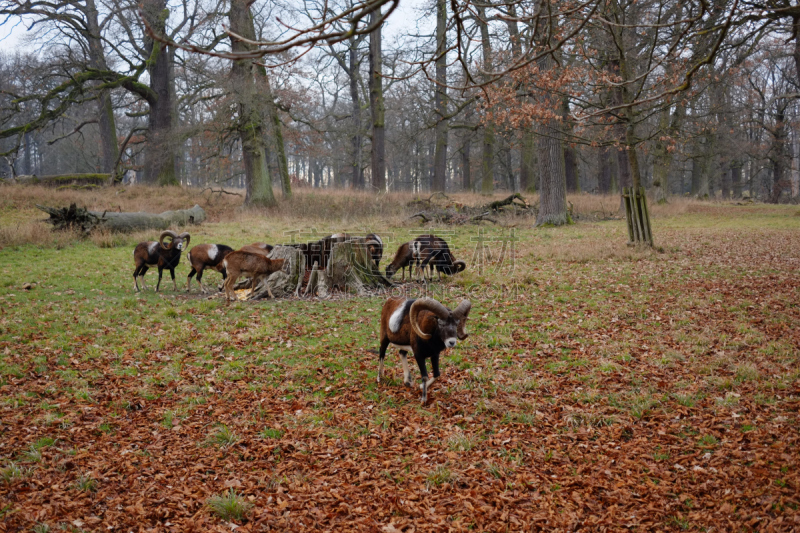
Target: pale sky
{"type": "Point", "coordinates": [402, 20]}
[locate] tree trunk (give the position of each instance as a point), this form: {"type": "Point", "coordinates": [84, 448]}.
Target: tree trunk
{"type": "Point", "coordinates": [377, 106]}
{"type": "Point", "coordinates": [527, 172]}
{"type": "Point", "coordinates": [736, 179]}
{"type": "Point", "coordinates": [440, 98]}
{"type": "Point", "coordinates": [109, 149]}
{"type": "Point", "coordinates": [250, 119]}
{"type": "Point", "coordinates": [725, 183]}
{"type": "Point", "coordinates": [603, 170]}
{"type": "Point", "coordinates": [86, 221]}
{"type": "Point", "coordinates": [159, 166]}
{"type": "Point", "coordinates": [694, 187]}
{"type": "Point", "coordinates": [466, 178]}
{"type": "Point", "coordinates": [570, 158]}
{"type": "Point", "coordinates": [552, 181]}
{"type": "Point", "coordinates": [778, 149]}
{"type": "Point", "coordinates": [487, 161]}
{"type": "Point", "coordinates": [571, 169]}
{"type": "Point", "coordinates": [277, 134]}
{"type": "Point", "coordinates": [357, 142]}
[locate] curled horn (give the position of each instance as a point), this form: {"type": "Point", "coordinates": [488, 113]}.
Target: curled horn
{"type": "Point", "coordinates": [460, 314]}
{"type": "Point", "coordinates": [185, 236]}
{"type": "Point", "coordinates": [426, 304]}
{"type": "Point", "coordinates": [165, 234]}
{"type": "Point", "coordinates": [460, 266]}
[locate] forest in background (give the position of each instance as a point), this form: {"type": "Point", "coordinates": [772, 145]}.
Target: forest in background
{"type": "Point", "coordinates": [519, 95]}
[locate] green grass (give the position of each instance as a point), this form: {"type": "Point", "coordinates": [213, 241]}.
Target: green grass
{"type": "Point", "coordinates": [12, 472]}
{"type": "Point", "coordinates": [440, 475]}
{"type": "Point", "coordinates": [230, 506]}
{"type": "Point", "coordinates": [604, 347]}
{"type": "Point", "coordinates": [222, 437]}
{"type": "Point", "coordinates": [85, 483]}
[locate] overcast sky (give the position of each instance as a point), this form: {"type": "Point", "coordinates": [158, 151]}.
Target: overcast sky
{"type": "Point", "coordinates": [404, 19]}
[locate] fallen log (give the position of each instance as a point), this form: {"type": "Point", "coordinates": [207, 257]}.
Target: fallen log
{"type": "Point", "coordinates": [458, 214]}
{"type": "Point", "coordinates": [85, 221]}
{"type": "Point", "coordinates": [61, 180]}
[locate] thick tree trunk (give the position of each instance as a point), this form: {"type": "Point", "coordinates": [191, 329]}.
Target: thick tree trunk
{"type": "Point", "coordinates": [250, 113]}
{"type": "Point", "coordinates": [440, 98]}
{"type": "Point", "coordinates": [109, 149]}
{"type": "Point", "coordinates": [159, 166]}
{"type": "Point", "coordinates": [277, 134]}
{"type": "Point", "coordinates": [552, 181]}
{"type": "Point", "coordinates": [377, 107]}
{"type": "Point", "coordinates": [571, 169]}
{"type": "Point", "coordinates": [527, 171]}
{"type": "Point", "coordinates": [603, 170]}
{"type": "Point", "coordinates": [357, 140]}
{"type": "Point", "coordinates": [86, 221]}
{"type": "Point", "coordinates": [736, 179]}
{"type": "Point", "coordinates": [697, 172]}
{"type": "Point", "coordinates": [779, 155]}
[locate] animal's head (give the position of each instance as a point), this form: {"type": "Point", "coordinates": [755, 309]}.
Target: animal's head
{"type": "Point", "coordinates": [176, 242]}
{"type": "Point", "coordinates": [391, 269]}
{"type": "Point", "coordinates": [458, 266]}
{"type": "Point", "coordinates": [451, 325]}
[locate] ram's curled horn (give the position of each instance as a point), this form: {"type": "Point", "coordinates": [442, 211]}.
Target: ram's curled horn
{"type": "Point", "coordinates": [426, 304]}
{"type": "Point", "coordinates": [185, 235]}
{"type": "Point", "coordinates": [460, 314]}
{"type": "Point", "coordinates": [165, 234]}
{"type": "Point", "coordinates": [460, 266]}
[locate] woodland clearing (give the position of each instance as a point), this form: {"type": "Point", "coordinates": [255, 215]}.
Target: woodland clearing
{"type": "Point", "coordinates": [602, 387]}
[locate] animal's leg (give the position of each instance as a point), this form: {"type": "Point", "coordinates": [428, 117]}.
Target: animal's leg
{"type": "Point", "coordinates": [142, 272]}
{"type": "Point", "coordinates": [189, 280]}
{"type": "Point", "coordinates": [406, 371]}
{"type": "Point", "coordinates": [381, 356]}
{"type": "Point", "coordinates": [172, 273]}
{"type": "Point", "coordinates": [136, 281]}
{"type": "Point", "coordinates": [424, 376]}
{"type": "Point", "coordinates": [435, 365]}
{"type": "Point", "coordinates": [160, 272]}
{"type": "Point", "coordinates": [200, 281]}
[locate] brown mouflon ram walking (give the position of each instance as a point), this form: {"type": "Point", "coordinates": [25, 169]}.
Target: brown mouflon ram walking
{"type": "Point", "coordinates": [158, 254]}
{"type": "Point", "coordinates": [204, 256]}
{"type": "Point", "coordinates": [424, 327]}
{"type": "Point", "coordinates": [254, 265]}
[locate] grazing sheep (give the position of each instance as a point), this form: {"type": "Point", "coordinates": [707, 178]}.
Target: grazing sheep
{"type": "Point", "coordinates": [434, 252]}
{"type": "Point", "coordinates": [205, 256]}
{"type": "Point", "coordinates": [255, 265]}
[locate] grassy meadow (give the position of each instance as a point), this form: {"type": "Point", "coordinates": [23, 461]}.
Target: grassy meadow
{"type": "Point", "coordinates": [602, 387]}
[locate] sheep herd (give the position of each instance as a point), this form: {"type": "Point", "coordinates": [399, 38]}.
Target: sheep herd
{"type": "Point", "coordinates": [424, 326]}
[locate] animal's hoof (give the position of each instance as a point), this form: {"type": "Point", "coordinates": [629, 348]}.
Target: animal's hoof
{"type": "Point", "coordinates": [408, 384]}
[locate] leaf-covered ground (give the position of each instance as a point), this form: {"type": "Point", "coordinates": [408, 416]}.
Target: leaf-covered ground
{"type": "Point", "coordinates": [601, 388]}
